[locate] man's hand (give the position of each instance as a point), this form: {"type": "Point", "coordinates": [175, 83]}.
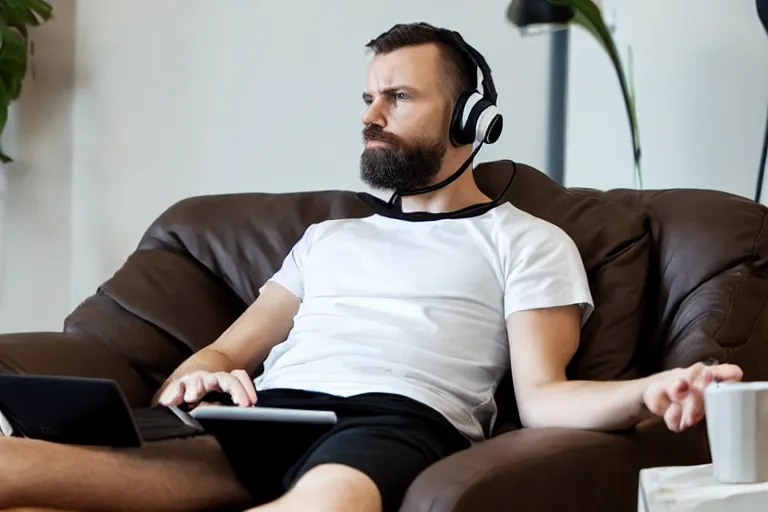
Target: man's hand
{"type": "Point", "coordinates": [678, 395]}
{"type": "Point", "coordinates": [191, 388]}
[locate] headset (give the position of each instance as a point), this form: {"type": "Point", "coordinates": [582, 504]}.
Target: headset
{"type": "Point", "coordinates": [475, 117]}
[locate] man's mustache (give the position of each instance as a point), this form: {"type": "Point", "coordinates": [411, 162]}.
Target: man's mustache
{"type": "Point", "coordinates": [376, 133]}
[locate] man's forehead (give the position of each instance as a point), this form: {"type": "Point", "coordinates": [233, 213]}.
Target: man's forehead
{"type": "Point", "coordinates": [414, 66]}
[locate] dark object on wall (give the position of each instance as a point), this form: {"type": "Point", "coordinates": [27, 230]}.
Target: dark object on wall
{"type": "Point", "coordinates": [525, 14]}
{"type": "Point", "coordinates": [762, 12]}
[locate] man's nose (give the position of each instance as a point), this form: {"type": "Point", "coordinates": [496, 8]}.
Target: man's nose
{"type": "Point", "coordinates": [374, 115]}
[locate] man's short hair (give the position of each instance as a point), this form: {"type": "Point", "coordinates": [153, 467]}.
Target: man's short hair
{"type": "Point", "coordinates": [460, 69]}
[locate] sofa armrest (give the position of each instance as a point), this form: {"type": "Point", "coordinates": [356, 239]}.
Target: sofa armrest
{"type": "Point", "coordinates": [550, 469]}
{"type": "Point", "coordinates": [50, 353]}
{"type": "Point", "coordinates": [724, 318]}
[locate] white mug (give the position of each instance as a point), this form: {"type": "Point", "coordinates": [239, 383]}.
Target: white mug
{"type": "Point", "coordinates": [737, 428]}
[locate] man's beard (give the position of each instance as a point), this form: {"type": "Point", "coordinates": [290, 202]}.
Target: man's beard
{"type": "Point", "coordinates": [401, 166]}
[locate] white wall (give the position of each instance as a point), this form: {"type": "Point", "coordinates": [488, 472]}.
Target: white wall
{"type": "Point", "coordinates": [35, 264]}
{"type": "Point", "coordinates": [128, 112]}
{"type": "Point", "coordinates": [702, 92]}
{"type": "Point", "coordinates": [204, 97]}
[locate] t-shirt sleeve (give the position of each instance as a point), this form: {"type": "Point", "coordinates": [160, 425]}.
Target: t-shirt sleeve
{"type": "Point", "coordinates": [543, 270]}
{"type": "Point", "coordinates": [290, 275]}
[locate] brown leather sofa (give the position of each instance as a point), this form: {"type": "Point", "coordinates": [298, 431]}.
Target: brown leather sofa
{"type": "Point", "coordinates": [678, 276]}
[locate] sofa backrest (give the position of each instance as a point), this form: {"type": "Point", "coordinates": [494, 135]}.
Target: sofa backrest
{"type": "Point", "coordinates": [195, 270]}
{"type": "Point", "coordinates": [201, 263]}
{"type": "Point", "coordinates": [708, 277]}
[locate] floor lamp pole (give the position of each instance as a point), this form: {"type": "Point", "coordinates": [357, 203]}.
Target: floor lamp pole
{"type": "Point", "coordinates": [558, 94]}
{"type": "Point", "coordinates": [761, 170]}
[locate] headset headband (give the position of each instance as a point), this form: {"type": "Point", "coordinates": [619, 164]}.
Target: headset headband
{"type": "Point", "coordinates": [489, 88]}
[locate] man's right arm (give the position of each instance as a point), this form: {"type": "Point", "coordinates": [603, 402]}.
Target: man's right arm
{"type": "Point", "coordinates": [226, 364]}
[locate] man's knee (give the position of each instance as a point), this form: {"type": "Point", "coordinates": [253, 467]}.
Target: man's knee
{"type": "Point", "coordinates": [335, 487]}
{"type": "Point", "coordinates": [196, 469]}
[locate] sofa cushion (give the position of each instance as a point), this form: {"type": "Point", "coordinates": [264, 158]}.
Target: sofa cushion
{"type": "Point", "coordinates": [196, 269]}
{"type": "Point", "coordinates": [705, 242]}
{"type": "Point", "coordinates": [152, 352]}
{"type": "Point", "coordinates": [243, 238]}
{"type": "Point", "coordinates": [614, 243]}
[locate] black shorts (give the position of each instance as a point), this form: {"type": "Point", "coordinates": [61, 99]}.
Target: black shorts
{"type": "Point", "coordinates": [390, 438]}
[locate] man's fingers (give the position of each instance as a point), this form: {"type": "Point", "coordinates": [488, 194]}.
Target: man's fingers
{"type": "Point", "coordinates": [230, 384]}
{"type": "Point", "coordinates": [692, 408]}
{"type": "Point", "coordinates": [191, 388]}
{"type": "Point", "coordinates": [726, 372]}
{"type": "Point", "coordinates": [211, 383]}
{"type": "Point", "coordinates": [657, 400]}
{"type": "Point", "coordinates": [247, 383]}
{"type": "Point", "coordinates": [672, 417]}
{"type": "Point", "coordinates": [194, 388]}
{"type": "Point", "coordinates": [678, 390]}
{"type": "Point", "coordinates": [681, 401]}
{"type": "Point", "coordinates": [173, 394]}
{"type": "Point", "coordinates": [178, 397]}
{"type": "Point", "coordinates": [667, 401]}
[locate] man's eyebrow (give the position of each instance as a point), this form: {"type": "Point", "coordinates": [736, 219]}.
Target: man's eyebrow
{"type": "Point", "coordinates": [389, 90]}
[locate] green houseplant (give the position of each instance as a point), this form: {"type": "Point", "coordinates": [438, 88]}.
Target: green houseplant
{"type": "Point", "coordinates": [16, 16]}
{"type": "Point", "coordinates": [586, 14]}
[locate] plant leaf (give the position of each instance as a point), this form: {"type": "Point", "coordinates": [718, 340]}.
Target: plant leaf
{"type": "Point", "coordinates": [13, 61]}
{"type": "Point", "coordinates": [631, 80]}
{"type": "Point", "coordinates": [39, 8]}
{"type": "Point", "coordinates": [587, 14]}
{"type": "Point", "coordinates": [42, 8]}
{"type": "Point", "coordinates": [19, 20]}
{"type": "Point", "coordinates": [15, 18]}
{"type": "Point", "coordinates": [22, 13]}
{"type": "Point", "coordinates": [5, 158]}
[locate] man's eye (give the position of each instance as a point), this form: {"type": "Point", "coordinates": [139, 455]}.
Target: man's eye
{"type": "Point", "coordinates": [400, 96]}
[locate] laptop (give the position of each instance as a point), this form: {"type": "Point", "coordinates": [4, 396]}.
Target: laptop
{"type": "Point", "coordinates": [95, 412]}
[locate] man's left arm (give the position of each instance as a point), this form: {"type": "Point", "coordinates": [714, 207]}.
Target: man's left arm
{"type": "Point", "coordinates": [542, 343]}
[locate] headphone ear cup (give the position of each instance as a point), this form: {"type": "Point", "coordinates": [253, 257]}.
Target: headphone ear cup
{"type": "Point", "coordinates": [459, 134]}
{"type": "Point", "coordinates": [489, 125]}
{"type": "Point", "coordinates": [476, 124]}
{"type": "Point", "coordinates": [475, 119]}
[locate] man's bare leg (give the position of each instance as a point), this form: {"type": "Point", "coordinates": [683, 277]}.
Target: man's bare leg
{"type": "Point", "coordinates": [329, 488]}
{"type": "Point", "coordinates": [180, 474]}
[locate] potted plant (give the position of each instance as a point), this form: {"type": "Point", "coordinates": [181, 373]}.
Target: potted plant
{"type": "Point", "coordinates": [16, 16]}
{"type": "Point", "coordinates": [586, 14]}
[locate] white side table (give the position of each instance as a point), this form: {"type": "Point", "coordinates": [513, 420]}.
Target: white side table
{"type": "Point", "coordinates": [694, 488]}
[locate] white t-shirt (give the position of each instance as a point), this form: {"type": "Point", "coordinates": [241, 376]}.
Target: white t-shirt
{"type": "Point", "coordinates": [418, 307]}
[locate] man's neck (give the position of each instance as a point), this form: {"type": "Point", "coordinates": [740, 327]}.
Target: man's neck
{"type": "Point", "coordinates": [460, 194]}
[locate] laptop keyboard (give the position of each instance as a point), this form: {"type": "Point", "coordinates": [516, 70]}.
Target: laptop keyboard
{"type": "Point", "coordinates": [160, 423]}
